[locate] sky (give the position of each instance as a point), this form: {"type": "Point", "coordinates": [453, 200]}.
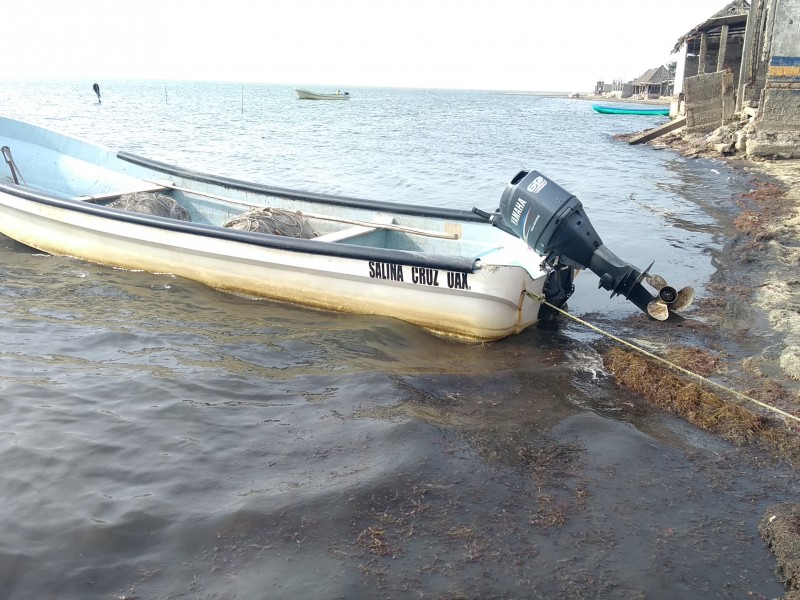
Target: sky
{"type": "Point", "coordinates": [521, 45]}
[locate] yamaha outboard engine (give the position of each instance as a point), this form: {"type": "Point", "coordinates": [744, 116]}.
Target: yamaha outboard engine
{"type": "Point", "coordinates": [552, 222]}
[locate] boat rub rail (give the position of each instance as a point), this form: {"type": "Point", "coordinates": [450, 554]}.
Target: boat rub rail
{"type": "Point", "coordinates": [461, 264]}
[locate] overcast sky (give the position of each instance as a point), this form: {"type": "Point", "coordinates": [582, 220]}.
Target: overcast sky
{"type": "Point", "coordinates": [555, 45]}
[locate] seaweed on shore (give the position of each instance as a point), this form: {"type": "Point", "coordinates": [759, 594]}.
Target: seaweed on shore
{"type": "Point", "coordinates": [691, 400]}
{"type": "Point", "coordinates": [761, 206]}
{"type": "Point", "coordinates": [780, 528]}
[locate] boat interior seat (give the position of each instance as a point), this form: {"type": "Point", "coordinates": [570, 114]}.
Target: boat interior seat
{"type": "Point", "coordinates": [354, 231]}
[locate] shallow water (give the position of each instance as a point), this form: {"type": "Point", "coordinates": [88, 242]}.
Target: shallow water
{"type": "Point", "coordinates": [161, 440]}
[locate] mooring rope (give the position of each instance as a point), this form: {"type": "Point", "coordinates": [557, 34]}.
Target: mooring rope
{"type": "Point", "coordinates": [671, 365]}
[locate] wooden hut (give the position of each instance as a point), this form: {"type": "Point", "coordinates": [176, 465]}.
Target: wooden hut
{"type": "Point", "coordinates": [653, 83]}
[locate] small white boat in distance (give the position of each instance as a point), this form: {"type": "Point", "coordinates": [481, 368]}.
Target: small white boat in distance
{"type": "Point", "coordinates": [471, 275]}
{"type": "Point", "coordinates": [308, 95]}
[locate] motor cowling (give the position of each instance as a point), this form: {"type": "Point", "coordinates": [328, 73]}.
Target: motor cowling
{"type": "Point", "coordinates": [552, 221]}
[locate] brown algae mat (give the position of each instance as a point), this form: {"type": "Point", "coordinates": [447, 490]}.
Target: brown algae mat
{"type": "Point", "coordinates": [780, 528]}
{"type": "Point", "coordinates": [695, 402]}
{"type": "Point", "coordinates": [692, 400]}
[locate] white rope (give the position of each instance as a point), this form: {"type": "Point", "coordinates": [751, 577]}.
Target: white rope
{"type": "Point", "coordinates": [739, 395]}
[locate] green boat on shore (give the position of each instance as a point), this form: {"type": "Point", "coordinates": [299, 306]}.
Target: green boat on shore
{"type": "Point", "coordinates": [631, 110]}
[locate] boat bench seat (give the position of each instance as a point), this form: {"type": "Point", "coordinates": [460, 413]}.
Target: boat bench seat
{"type": "Point", "coordinates": [355, 231]}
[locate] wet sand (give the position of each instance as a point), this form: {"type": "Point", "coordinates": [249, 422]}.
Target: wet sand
{"type": "Point", "coordinates": [750, 333]}
{"type": "Point", "coordinates": [769, 252]}
{"type": "Point", "coordinates": [757, 282]}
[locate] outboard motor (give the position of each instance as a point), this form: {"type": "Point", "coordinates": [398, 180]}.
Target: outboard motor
{"type": "Point", "coordinates": [552, 222]}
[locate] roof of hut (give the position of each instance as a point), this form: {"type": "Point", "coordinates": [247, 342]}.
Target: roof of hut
{"type": "Point", "coordinates": [655, 75]}
{"type": "Point", "coordinates": [733, 13]}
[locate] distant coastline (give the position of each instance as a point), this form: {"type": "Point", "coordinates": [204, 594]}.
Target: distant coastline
{"type": "Point", "coordinates": [593, 97]}
{"type": "Point", "coordinates": [543, 94]}
{"type": "Point", "coordinates": [663, 100]}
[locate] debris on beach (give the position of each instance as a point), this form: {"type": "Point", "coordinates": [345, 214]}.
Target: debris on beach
{"type": "Point", "coordinates": [780, 529]}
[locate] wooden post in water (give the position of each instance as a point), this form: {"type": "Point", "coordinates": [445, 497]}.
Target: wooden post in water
{"type": "Point", "coordinates": [166, 101]}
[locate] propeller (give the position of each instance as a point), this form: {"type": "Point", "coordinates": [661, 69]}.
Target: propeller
{"type": "Point", "coordinates": [668, 299]}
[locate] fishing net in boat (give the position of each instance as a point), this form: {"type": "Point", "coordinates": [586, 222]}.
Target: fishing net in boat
{"type": "Point", "coordinates": [275, 221]}
{"type": "Point", "coordinates": [150, 203]}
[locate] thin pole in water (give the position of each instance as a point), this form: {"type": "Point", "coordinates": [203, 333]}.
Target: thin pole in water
{"type": "Point", "coordinates": [242, 99]}
{"type": "Point", "coordinates": [166, 101]}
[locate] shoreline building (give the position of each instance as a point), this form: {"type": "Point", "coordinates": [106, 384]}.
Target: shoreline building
{"type": "Point", "coordinates": [744, 63]}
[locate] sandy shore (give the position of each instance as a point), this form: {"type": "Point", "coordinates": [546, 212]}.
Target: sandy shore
{"type": "Point", "coordinates": [775, 247]}
{"type": "Point", "coordinates": [755, 319]}
{"type": "Point", "coordinates": [757, 272]}
{"type": "Point", "coordinates": [760, 268]}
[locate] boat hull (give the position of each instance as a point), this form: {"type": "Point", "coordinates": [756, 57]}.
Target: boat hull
{"type": "Point", "coordinates": [625, 110]}
{"type": "Point", "coordinates": [463, 296]}
{"type": "Point", "coordinates": [307, 95]}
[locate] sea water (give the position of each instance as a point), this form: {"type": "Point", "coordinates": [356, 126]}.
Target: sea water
{"type": "Point", "coordinates": [160, 439]}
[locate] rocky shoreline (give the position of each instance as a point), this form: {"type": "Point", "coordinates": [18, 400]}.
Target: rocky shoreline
{"type": "Point", "coordinates": [761, 260]}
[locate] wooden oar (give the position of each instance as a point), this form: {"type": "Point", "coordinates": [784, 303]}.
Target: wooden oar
{"type": "Point", "coordinates": [321, 217]}
{"type": "Point", "coordinates": [378, 225]}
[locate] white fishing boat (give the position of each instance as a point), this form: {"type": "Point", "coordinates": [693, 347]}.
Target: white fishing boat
{"type": "Point", "coordinates": [471, 275]}
{"type": "Point", "coordinates": [308, 95]}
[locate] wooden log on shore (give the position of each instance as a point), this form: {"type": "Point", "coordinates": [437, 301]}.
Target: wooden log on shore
{"type": "Point", "coordinates": [652, 134]}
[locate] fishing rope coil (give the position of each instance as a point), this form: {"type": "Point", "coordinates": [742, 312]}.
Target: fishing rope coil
{"type": "Point", "coordinates": [671, 365]}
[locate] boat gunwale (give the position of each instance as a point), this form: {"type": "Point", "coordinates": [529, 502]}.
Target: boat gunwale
{"type": "Point", "coordinates": [410, 258]}
{"type": "Point", "coordinates": [318, 198]}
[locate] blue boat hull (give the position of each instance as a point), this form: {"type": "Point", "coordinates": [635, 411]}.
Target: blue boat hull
{"type": "Point", "coordinates": [631, 110]}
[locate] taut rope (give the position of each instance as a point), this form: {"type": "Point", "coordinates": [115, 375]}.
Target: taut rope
{"type": "Point", "coordinates": [671, 365]}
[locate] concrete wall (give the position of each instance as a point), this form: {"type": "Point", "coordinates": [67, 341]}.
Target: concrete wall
{"type": "Point", "coordinates": [710, 101]}
{"type": "Point", "coordinates": [680, 71]}
{"type": "Point", "coordinates": [781, 100]}
{"type": "Point", "coordinates": [778, 123]}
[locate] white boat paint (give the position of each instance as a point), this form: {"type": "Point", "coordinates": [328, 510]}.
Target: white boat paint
{"type": "Point", "coordinates": [309, 95]}
{"type": "Point", "coordinates": [471, 287]}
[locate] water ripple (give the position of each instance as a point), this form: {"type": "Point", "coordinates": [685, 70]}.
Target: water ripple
{"type": "Point", "coordinates": [160, 439]}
